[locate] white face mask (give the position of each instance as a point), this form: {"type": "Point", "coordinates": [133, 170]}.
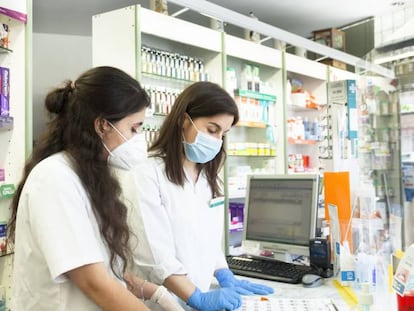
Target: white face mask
{"type": "Point", "coordinates": [129, 153]}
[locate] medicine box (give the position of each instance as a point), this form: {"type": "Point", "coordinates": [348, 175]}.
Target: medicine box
{"type": "Point", "coordinates": [3, 235]}
{"type": "Point", "coordinates": [4, 91]}
{"type": "Point", "coordinates": [4, 35]}
{"type": "Point", "coordinates": [236, 216]}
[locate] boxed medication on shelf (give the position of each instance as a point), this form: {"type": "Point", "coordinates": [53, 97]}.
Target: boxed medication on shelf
{"type": "Point", "coordinates": [236, 216]}
{"type": "Point", "coordinates": [4, 36]}
{"type": "Point", "coordinates": [3, 235]}
{"type": "Point", "coordinates": [4, 91]}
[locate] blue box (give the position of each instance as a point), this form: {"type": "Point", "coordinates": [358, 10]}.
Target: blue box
{"type": "Point", "coordinates": [3, 237]}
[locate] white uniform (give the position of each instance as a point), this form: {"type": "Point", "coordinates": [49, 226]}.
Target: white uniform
{"type": "Point", "coordinates": [56, 231]}
{"type": "Point", "coordinates": [179, 232]}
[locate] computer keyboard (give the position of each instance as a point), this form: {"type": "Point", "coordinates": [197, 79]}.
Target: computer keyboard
{"type": "Point", "coordinates": [270, 269]}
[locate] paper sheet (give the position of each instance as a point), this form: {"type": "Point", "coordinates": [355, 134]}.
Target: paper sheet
{"type": "Point", "coordinates": [256, 303]}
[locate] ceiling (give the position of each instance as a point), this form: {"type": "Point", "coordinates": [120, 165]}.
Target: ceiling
{"type": "Point", "coordinates": [300, 17]}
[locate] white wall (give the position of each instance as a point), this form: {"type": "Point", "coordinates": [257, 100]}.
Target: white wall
{"type": "Point", "coordinates": [56, 58]}
{"type": "Point", "coordinates": [395, 26]}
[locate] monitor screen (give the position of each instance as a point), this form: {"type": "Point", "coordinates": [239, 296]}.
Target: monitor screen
{"type": "Point", "coordinates": [281, 211]}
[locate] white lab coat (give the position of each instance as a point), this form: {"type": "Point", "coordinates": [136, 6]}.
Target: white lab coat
{"type": "Point", "coordinates": [56, 231]}
{"type": "Point", "coordinates": [177, 230]}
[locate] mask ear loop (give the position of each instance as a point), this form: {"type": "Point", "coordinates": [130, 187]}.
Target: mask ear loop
{"type": "Point", "coordinates": [188, 116]}
{"type": "Point", "coordinates": [101, 135]}
{"type": "Point", "coordinates": [116, 130]}
{"type": "Point", "coordinates": [191, 120]}
{"type": "Point", "coordinates": [106, 148]}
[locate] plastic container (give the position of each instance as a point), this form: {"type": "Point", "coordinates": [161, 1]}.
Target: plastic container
{"type": "Point", "coordinates": [298, 99]}
{"type": "Point", "coordinates": [405, 303]}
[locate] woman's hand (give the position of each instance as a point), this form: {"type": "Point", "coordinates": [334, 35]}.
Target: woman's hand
{"type": "Point", "coordinates": [163, 297]}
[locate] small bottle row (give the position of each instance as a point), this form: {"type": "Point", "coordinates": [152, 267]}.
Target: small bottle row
{"type": "Point", "coordinates": [172, 65]}
{"type": "Point", "coordinates": [255, 110]}
{"type": "Point", "coordinates": [151, 133]}
{"type": "Point", "coordinates": [249, 80]}
{"type": "Point", "coordinates": [162, 98]}
{"type": "Point", "coordinates": [299, 128]}
{"type": "Point", "coordinates": [250, 149]}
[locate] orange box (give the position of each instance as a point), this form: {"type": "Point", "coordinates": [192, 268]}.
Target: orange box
{"type": "Point", "coordinates": [338, 192]}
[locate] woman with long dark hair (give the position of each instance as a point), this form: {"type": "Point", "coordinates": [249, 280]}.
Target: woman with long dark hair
{"type": "Point", "coordinates": [69, 226]}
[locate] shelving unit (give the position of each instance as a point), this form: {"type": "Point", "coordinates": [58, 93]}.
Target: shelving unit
{"type": "Point", "coordinates": [152, 47]}
{"type": "Point", "coordinates": [253, 145]}
{"type": "Point", "coordinates": [13, 127]}
{"type": "Point", "coordinates": [145, 44]}
{"type": "Point", "coordinates": [303, 117]}
{"type": "Point", "coordinates": [380, 151]}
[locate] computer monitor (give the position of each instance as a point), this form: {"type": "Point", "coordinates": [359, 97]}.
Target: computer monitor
{"type": "Point", "coordinates": [281, 212]}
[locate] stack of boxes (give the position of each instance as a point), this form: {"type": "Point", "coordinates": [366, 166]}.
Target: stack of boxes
{"type": "Point", "coordinates": [333, 38]}
{"type": "Point", "coordinates": [5, 120]}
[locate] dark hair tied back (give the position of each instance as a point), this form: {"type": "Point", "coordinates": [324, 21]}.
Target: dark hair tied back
{"type": "Point", "coordinates": [56, 101]}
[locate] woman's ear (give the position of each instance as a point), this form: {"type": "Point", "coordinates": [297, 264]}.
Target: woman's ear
{"type": "Point", "coordinates": [185, 122]}
{"type": "Point", "coordinates": [100, 127]}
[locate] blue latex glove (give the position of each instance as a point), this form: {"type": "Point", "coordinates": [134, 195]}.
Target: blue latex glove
{"type": "Point", "coordinates": [218, 299]}
{"type": "Point", "coordinates": [226, 279]}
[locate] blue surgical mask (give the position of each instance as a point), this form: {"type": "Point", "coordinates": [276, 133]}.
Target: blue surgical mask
{"type": "Point", "coordinates": [204, 148]}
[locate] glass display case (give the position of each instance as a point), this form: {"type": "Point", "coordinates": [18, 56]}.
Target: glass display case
{"type": "Point", "coordinates": [380, 158]}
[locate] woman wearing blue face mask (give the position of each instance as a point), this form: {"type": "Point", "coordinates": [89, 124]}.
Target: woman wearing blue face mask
{"type": "Point", "coordinates": [179, 213]}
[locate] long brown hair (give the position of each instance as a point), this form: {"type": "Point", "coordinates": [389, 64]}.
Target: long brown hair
{"type": "Point", "coordinates": [100, 93]}
{"type": "Point", "coordinates": [201, 99]}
